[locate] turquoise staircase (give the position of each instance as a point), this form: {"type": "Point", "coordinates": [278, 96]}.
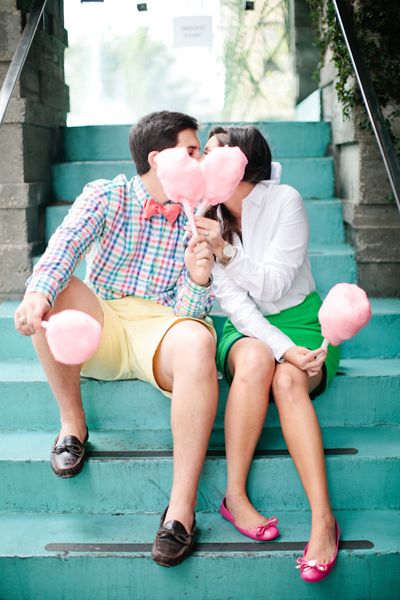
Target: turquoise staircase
{"type": "Point", "coordinates": [90, 537]}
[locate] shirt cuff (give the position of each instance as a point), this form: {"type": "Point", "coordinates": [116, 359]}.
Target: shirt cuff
{"type": "Point", "coordinates": [280, 351]}
{"type": "Point", "coordinates": [279, 343]}
{"type": "Point", "coordinates": [196, 287]}
{"type": "Point", "coordinates": [232, 265]}
{"type": "Point", "coordinates": [194, 299]}
{"type": "Point", "coordinates": [47, 287]}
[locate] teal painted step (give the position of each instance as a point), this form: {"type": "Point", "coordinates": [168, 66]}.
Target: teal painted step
{"type": "Point", "coordinates": [379, 339]}
{"type": "Point", "coordinates": [313, 177]}
{"type": "Point", "coordinates": [366, 480]}
{"type": "Point", "coordinates": [110, 142]}
{"type": "Point", "coordinates": [330, 264]}
{"type": "Point", "coordinates": [364, 393]}
{"type": "Point", "coordinates": [325, 218]}
{"type": "Point", "coordinates": [30, 571]}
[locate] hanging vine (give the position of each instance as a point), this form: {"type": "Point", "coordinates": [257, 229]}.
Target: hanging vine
{"type": "Point", "coordinates": [377, 28]}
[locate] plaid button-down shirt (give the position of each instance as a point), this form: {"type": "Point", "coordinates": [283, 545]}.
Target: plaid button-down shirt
{"type": "Point", "coordinates": [126, 254]}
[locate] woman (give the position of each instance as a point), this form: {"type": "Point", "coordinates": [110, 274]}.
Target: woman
{"type": "Point", "coordinates": [272, 340]}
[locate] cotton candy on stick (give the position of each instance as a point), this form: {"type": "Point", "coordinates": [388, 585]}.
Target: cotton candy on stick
{"type": "Point", "coordinates": [343, 313]}
{"type": "Point", "coordinates": [182, 180]}
{"type": "Point", "coordinates": [73, 336]}
{"type": "Point", "coordinates": [223, 169]}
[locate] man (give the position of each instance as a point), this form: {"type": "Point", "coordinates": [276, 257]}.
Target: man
{"type": "Point", "coordinates": [151, 297]}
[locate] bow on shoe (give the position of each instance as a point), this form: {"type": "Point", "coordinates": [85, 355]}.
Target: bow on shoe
{"type": "Point", "coordinates": [303, 563]}
{"type": "Point", "coordinates": [261, 529]}
{"type": "Point", "coordinates": [171, 533]}
{"type": "Point", "coordinates": [72, 449]}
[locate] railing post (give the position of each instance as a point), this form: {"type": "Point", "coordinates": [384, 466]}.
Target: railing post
{"type": "Point", "coordinates": [20, 55]}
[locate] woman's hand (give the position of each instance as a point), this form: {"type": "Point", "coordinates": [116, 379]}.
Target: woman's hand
{"type": "Point", "coordinates": [211, 230]}
{"type": "Point", "coordinates": [306, 359]}
{"type": "Point", "coordinates": [199, 259]}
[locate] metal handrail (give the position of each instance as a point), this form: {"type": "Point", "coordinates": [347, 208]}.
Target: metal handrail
{"type": "Point", "coordinates": [385, 143]}
{"type": "Point", "coordinates": [20, 54]}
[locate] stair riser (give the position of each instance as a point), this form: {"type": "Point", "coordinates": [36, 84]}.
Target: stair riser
{"type": "Point", "coordinates": [111, 142]}
{"type": "Point", "coordinates": [313, 177]}
{"type": "Point", "coordinates": [127, 486]}
{"type": "Point", "coordinates": [132, 405]}
{"type": "Point", "coordinates": [205, 576]}
{"type": "Point", "coordinates": [325, 219]}
{"type": "Point", "coordinates": [379, 339]}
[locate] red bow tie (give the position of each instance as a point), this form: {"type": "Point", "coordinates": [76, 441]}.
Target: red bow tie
{"type": "Point", "coordinates": [169, 211]}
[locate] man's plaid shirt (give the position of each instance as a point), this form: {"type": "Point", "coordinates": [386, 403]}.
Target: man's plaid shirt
{"type": "Point", "coordinates": [126, 254]}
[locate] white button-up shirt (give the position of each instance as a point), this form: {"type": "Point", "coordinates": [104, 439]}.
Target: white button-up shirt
{"type": "Point", "coordinates": [271, 270]}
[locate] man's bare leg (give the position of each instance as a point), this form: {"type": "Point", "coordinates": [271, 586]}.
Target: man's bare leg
{"type": "Point", "coordinates": [64, 380]}
{"type": "Point", "coordinates": [185, 365]}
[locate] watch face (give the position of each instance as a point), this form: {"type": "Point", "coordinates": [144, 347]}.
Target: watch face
{"type": "Point", "coordinates": [228, 251]}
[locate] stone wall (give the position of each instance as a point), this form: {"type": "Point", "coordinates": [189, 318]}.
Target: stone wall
{"type": "Point", "coordinates": [370, 214]}
{"type": "Point", "coordinates": [29, 137]}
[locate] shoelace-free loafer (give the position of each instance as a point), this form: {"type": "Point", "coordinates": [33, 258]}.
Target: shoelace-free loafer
{"type": "Point", "coordinates": [68, 455]}
{"type": "Point", "coordinates": [173, 543]}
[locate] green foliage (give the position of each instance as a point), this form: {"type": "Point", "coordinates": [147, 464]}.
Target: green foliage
{"type": "Point", "coordinates": [377, 29]}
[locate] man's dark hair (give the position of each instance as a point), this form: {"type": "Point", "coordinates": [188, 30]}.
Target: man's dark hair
{"type": "Point", "coordinates": [156, 131]}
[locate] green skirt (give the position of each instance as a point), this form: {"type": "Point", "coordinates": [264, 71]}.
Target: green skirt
{"type": "Point", "coordinates": [301, 324]}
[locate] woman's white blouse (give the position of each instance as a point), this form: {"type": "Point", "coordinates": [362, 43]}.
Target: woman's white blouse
{"type": "Point", "coordinates": [271, 270]}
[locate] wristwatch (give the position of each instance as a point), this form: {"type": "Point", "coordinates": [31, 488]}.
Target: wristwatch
{"type": "Point", "coordinates": [228, 254]}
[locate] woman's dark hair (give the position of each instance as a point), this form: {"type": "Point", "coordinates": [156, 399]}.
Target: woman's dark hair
{"type": "Point", "coordinates": [156, 131]}
{"type": "Point", "coordinates": [255, 147]}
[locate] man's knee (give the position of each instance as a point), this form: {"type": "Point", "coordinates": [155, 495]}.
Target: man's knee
{"type": "Point", "coordinates": [192, 341]}
{"type": "Point", "coordinates": [76, 295]}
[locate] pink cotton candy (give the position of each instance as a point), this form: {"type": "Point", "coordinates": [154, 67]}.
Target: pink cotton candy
{"type": "Point", "coordinates": [223, 170]}
{"type": "Point", "coordinates": [180, 176]}
{"type": "Point", "coordinates": [344, 312]}
{"type": "Point", "coordinates": [73, 336]}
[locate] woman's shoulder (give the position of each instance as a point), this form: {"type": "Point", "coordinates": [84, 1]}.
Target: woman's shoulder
{"type": "Point", "coordinates": [279, 192]}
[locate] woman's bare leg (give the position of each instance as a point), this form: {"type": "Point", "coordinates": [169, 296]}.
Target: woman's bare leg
{"type": "Point", "coordinates": [252, 364]}
{"type": "Point", "coordinates": [303, 438]}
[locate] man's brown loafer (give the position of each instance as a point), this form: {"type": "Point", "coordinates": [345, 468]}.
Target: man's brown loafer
{"type": "Point", "coordinates": [68, 455]}
{"type": "Point", "coordinates": [173, 543]}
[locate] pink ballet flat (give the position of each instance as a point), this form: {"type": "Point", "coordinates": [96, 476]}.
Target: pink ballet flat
{"type": "Point", "coordinates": [263, 533]}
{"type": "Point", "coordinates": [311, 570]}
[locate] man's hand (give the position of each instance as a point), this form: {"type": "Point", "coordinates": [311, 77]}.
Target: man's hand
{"type": "Point", "coordinates": [305, 359]}
{"type": "Point", "coordinates": [30, 313]}
{"type": "Point", "coordinates": [199, 260]}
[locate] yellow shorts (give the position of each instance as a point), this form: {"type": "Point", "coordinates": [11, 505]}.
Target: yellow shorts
{"type": "Point", "coordinates": [132, 331]}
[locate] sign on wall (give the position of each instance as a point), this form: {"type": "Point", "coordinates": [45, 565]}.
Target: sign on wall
{"type": "Point", "coordinates": [192, 31]}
